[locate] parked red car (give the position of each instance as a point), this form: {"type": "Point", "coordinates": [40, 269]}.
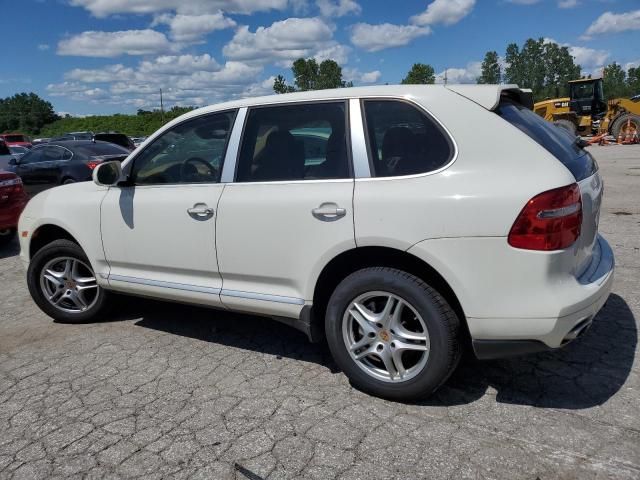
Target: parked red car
{"type": "Point", "coordinates": [13, 199]}
{"type": "Point", "coordinates": [17, 139]}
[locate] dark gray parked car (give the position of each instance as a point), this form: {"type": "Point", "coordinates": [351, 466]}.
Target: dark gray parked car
{"type": "Point", "coordinates": [63, 162]}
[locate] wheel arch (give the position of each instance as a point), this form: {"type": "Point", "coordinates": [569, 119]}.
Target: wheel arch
{"type": "Point", "coordinates": [349, 261]}
{"type": "Point", "coordinates": [47, 233]}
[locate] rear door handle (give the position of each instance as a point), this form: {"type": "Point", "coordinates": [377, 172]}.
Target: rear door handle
{"type": "Point", "coordinates": [328, 212]}
{"type": "Point", "coordinates": [200, 211]}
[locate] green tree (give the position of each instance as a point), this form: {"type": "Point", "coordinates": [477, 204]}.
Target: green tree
{"type": "Point", "coordinates": [308, 75]}
{"type": "Point", "coordinates": [544, 67]}
{"type": "Point", "coordinates": [559, 69]}
{"type": "Point", "coordinates": [329, 75]}
{"type": "Point", "coordinates": [419, 74]}
{"type": "Point", "coordinates": [25, 112]}
{"type": "Point", "coordinates": [305, 74]}
{"type": "Point", "coordinates": [614, 79]}
{"type": "Point", "coordinates": [633, 81]}
{"type": "Point", "coordinates": [280, 85]}
{"type": "Point", "coordinates": [491, 71]}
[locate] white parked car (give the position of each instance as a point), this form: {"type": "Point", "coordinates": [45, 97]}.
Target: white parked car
{"type": "Point", "coordinates": [396, 221]}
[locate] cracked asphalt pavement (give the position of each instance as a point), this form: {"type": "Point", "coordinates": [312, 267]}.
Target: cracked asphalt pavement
{"type": "Point", "coordinates": [163, 390]}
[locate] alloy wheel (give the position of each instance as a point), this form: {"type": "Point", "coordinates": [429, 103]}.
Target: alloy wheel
{"type": "Point", "coordinates": [386, 336]}
{"type": "Point", "coordinates": [69, 284]}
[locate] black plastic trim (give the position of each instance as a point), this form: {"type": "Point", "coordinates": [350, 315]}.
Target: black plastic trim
{"type": "Point", "coordinates": [492, 349]}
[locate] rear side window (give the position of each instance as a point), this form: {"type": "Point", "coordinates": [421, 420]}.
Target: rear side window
{"type": "Point", "coordinates": [403, 140]}
{"type": "Point", "coordinates": [306, 141]}
{"type": "Point", "coordinates": [97, 149]}
{"type": "Point", "coordinates": [557, 141]}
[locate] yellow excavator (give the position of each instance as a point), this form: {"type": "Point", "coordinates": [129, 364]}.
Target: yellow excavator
{"type": "Point", "coordinates": [585, 111]}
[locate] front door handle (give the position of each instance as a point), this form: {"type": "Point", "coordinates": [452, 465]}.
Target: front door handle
{"type": "Point", "coordinates": [328, 212]}
{"type": "Point", "coordinates": [200, 211]}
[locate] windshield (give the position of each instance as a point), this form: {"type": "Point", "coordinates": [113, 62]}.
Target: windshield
{"type": "Point", "coordinates": [556, 140]}
{"type": "Point", "coordinates": [14, 138]}
{"type": "Point", "coordinates": [582, 91]}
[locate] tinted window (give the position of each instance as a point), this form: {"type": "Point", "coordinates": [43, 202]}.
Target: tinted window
{"type": "Point", "coordinates": [99, 149]}
{"type": "Point", "coordinates": [294, 142]}
{"type": "Point", "coordinates": [191, 152]}
{"type": "Point", "coordinates": [403, 140]}
{"type": "Point", "coordinates": [4, 150]}
{"type": "Point", "coordinates": [557, 141]}
{"type": "Point", "coordinates": [117, 138]}
{"type": "Point", "coordinates": [34, 156]}
{"type": "Point", "coordinates": [53, 153]}
{"type": "Point", "coordinates": [15, 138]}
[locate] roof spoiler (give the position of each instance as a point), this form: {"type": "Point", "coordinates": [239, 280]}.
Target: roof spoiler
{"type": "Point", "coordinates": [489, 96]}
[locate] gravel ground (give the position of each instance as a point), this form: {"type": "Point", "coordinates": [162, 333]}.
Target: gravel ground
{"type": "Point", "coordinates": [172, 391]}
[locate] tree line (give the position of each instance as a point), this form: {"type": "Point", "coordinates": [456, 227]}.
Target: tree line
{"type": "Point", "coordinates": [544, 67]}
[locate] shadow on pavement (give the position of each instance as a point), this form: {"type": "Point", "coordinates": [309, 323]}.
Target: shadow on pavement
{"type": "Point", "coordinates": [584, 374]}
{"type": "Point", "coordinates": [10, 250]}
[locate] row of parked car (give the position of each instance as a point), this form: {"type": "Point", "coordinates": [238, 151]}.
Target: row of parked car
{"type": "Point", "coordinates": [28, 166]}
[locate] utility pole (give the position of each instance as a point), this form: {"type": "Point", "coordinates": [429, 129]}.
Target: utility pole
{"type": "Point", "coordinates": [161, 107]}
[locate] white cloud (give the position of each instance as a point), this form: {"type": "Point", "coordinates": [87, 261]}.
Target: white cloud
{"type": "Point", "coordinates": [371, 77]}
{"type": "Point", "coordinates": [446, 12]}
{"type": "Point", "coordinates": [338, 8]}
{"type": "Point", "coordinates": [110, 73]}
{"type": "Point", "coordinates": [283, 42]}
{"type": "Point", "coordinates": [568, 3]}
{"type": "Point", "coordinates": [584, 56]}
{"type": "Point", "coordinates": [43, 47]}
{"type": "Point", "coordinates": [355, 75]}
{"type": "Point", "coordinates": [468, 74]}
{"type": "Point", "coordinates": [629, 65]}
{"type": "Point", "coordinates": [610, 22]}
{"type": "Point", "coordinates": [386, 35]}
{"type": "Point", "coordinates": [179, 65]}
{"type": "Point", "coordinates": [104, 8]}
{"type": "Point", "coordinates": [113, 44]}
{"type": "Point", "coordinates": [192, 28]}
{"type": "Point", "coordinates": [335, 51]}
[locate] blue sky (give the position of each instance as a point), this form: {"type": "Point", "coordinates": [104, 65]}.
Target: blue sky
{"type": "Point", "coordinates": [105, 56]}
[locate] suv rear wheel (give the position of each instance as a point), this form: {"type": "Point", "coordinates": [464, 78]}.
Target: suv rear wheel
{"type": "Point", "coordinates": [63, 284]}
{"type": "Point", "coordinates": [392, 334]}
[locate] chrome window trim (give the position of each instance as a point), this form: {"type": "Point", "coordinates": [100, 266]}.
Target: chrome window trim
{"type": "Point", "coordinates": [233, 147]}
{"type": "Point", "coordinates": [358, 140]}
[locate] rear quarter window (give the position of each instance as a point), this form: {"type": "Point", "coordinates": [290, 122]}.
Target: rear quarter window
{"type": "Point", "coordinates": [403, 139]}
{"type": "Point", "coordinates": [557, 141]}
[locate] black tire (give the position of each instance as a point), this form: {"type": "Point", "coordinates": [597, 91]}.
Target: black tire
{"type": "Point", "coordinates": [441, 321]}
{"type": "Point", "coordinates": [7, 236]}
{"type": "Point", "coordinates": [621, 122]}
{"type": "Point", "coordinates": [568, 126]}
{"type": "Point", "coordinates": [64, 248]}
{"type": "Point", "coordinates": [67, 181]}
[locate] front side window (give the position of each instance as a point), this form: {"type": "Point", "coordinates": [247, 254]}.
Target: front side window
{"type": "Point", "coordinates": [403, 140]}
{"type": "Point", "coordinates": [34, 156]}
{"type": "Point", "coordinates": [294, 142]}
{"type": "Point", "coordinates": [191, 152]}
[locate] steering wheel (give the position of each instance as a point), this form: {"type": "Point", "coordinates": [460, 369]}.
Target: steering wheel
{"type": "Point", "coordinates": [189, 171]}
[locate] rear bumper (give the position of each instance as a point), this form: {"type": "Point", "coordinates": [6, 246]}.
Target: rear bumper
{"type": "Point", "coordinates": [500, 337]}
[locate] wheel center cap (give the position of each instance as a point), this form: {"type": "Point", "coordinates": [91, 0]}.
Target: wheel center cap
{"type": "Point", "coordinates": [70, 284]}
{"type": "Point", "coordinates": [384, 336]}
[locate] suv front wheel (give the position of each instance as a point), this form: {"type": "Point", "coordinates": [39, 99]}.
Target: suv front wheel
{"type": "Point", "coordinates": [392, 334]}
{"type": "Point", "coordinates": [63, 284]}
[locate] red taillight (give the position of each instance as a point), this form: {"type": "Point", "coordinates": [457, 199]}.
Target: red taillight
{"type": "Point", "coordinates": [10, 186]}
{"type": "Point", "coordinates": [549, 221]}
{"type": "Point", "coordinates": [93, 164]}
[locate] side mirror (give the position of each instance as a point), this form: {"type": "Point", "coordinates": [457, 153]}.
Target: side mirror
{"type": "Point", "coordinates": [107, 174]}
{"type": "Point", "coordinates": [13, 161]}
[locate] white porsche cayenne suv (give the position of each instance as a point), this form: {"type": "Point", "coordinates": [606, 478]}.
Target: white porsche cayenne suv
{"type": "Point", "coordinates": [396, 222]}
